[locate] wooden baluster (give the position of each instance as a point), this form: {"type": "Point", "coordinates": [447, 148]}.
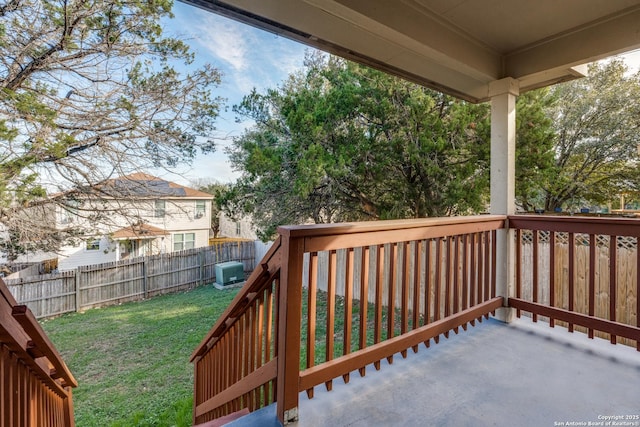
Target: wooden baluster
{"type": "Point", "coordinates": [487, 267]}
{"type": "Point", "coordinates": [268, 356]}
{"type": "Point", "coordinates": [613, 251]}
{"type": "Point", "coordinates": [552, 273]}
{"type": "Point", "coordinates": [391, 286]}
{"type": "Point", "coordinates": [404, 290]}
{"type": "Point", "coordinates": [518, 267]}
{"type": "Point", "coordinates": [465, 282]}
{"type": "Point", "coordinates": [311, 313]}
{"type": "Point", "coordinates": [473, 280]}
{"type": "Point", "coordinates": [534, 264]}
{"type": "Point", "coordinates": [377, 331]}
{"type": "Point", "coordinates": [571, 275]}
{"type": "Point", "coordinates": [447, 281]}
{"type": "Point", "coordinates": [246, 348]}
{"type": "Point", "coordinates": [348, 307]}
{"type": "Point", "coordinates": [364, 299]}
{"type": "Point", "coordinates": [259, 341]}
{"type": "Point", "coordinates": [481, 264]}
{"type": "Point", "coordinates": [592, 278]}
{"type": "Point", "coordinates": [239, 403]}
{"type": "Point", "coordinates": [456, 274]}
{"type": "Point", "coordinates": [428, 270]}
{"type": "Point", "coordinates": [494, 251]}
{"type": "Point", "coordinates": [331, 311]}
{"type": "Point", "coordinates": [436, 285]}
{"type": "Point", "coordinates": [417, 252]}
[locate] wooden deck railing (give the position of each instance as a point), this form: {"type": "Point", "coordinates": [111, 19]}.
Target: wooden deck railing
{"type": "Point", "coordinates": [384, 287]}
{"type": "Point", "coordinates": [35, 383]}
{"type": "Point", "coordinates": [580, 272]}
{"type": "Point", "coordinates": [235, 364]}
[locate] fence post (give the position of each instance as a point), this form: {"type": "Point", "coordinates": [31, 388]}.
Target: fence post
{"type": "Point", "coordinates": [76, 280]}
{"type": "Point", "coordinates": [289, 324]}
{"type": "Point", "coordinates": [201, 267]}
{"type": "Point", "coordinates": [145, 288]}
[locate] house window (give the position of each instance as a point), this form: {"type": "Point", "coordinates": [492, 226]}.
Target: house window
{"type": "Point", "coordinates": [184, 241]}
{"type": "Point", "coordinates": [160, 209]}
{"type": "Point", "coordinates": [200, 208]}
{"type": "Point", "coordinates": [69, 211]}
{"type": "Point", "coordinates": [238, 229]}
{"type": "Point", "coordinates": [93, 245]}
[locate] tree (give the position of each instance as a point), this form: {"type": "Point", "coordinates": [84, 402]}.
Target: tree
{"type": "Point", "coordinates": [216, 189]}
{"type": "Point", "coordinates": [90, 90]}
{"type": "Point", "coordinates": [341, 142]}
{"type": "Point", "coordinates": [535, 139]}
{"type": "Point", "coordinates": [597, 135]}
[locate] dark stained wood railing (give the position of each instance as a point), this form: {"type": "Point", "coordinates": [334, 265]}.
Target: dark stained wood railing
{"type": "Point", "coordinates": [35, 383]}
{"type": "Point", "coordinates": [343, 296]}
{"type": "Point", "coordinates": [580, 272]}
{"type": "Point", "coordinates": [387, 287]}
{"type": "Point", "coordinates": [235, 364]}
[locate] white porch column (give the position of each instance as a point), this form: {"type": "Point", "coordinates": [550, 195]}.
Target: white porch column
{"type": "Point", "coordinates": [503, 94]}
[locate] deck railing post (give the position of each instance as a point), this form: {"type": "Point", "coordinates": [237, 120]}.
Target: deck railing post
{"type": "Point", "coordinates": [503, 95]}
{"type": "Point", "coordinates": [289, 324]}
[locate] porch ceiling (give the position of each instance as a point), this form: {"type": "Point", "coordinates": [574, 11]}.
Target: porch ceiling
{"type": "Point", "coordinates": [455, 46]}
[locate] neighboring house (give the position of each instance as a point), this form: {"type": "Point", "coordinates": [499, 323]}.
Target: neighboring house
{"type": "Point", "coordinates": [130, 216]}
{"type": "Point", "coordinates": [243, 228]}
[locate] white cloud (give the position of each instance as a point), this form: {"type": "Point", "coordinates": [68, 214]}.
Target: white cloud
{"type": "Point", "coordinates": [221, 38]}
{"type": "Point", "coordinates": [248, 57]}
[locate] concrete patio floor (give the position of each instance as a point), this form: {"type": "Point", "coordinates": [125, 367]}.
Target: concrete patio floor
{"type": "Point", "coordinates": [520, 374]}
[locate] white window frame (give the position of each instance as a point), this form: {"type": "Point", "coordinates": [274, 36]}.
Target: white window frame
{"type": "Point", "coordinates": [201, 209]}
{"type": "Point", "coordinates": [70, 210]}
{"type": "Point", "coordinates": [182, 241]}
{"type": "Point", "coordinates": [160, 208]}
{"type": "Point", "coordinates": [92, 245]}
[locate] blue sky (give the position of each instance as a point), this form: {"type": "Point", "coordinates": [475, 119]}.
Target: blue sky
{"type": "Point", "coordinates": [247, 58]}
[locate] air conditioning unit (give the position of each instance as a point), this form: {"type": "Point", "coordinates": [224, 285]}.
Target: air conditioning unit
{"type": "Point", "coordinates": [228, 274]}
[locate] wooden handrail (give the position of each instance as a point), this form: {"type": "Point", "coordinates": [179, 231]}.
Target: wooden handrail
{"type": "Point", "coordinates": [40, 390]}
{"type": "Point", "coordinates": [577, 224]}
{"type": "Point", "coordinates": [322, 237]}
{"type": "Point", "coordinates": [269, 266]}
{"type": "Point", "coordinates": [39, 339]}
{"type": "Point", "coordinates": [235, 365]}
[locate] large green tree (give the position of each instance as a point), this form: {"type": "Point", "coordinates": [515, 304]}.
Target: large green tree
{"type": "Point", "coordinates": [90, 89]}
{"type": "Point", "coordinates": [597, 136]}
{"type": "Point", "coordinates": [339, 141]}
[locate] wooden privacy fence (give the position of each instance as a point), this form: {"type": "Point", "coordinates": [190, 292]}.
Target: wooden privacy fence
{"type": "Point", "coordinates": [581, 273]}
{"type": "Point", "coordinates": [35, 383]}
{"type": "Point", "coordinates": [422, 278]}
{"type": "Point", "coordinates": [126, 280]}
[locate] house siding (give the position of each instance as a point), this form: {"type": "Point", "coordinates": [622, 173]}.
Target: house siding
{"type": "Point", "coordinates": [72, 257]}
{"type": "Point", "coordinates": [179, 218]}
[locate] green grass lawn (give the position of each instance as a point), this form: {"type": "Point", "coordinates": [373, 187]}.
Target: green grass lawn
{"type": "Point", "coordinates": [132, 360]}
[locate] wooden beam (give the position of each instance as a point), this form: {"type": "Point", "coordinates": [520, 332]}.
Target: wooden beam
{"type": "Point", "coordinates": [603, 325]}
